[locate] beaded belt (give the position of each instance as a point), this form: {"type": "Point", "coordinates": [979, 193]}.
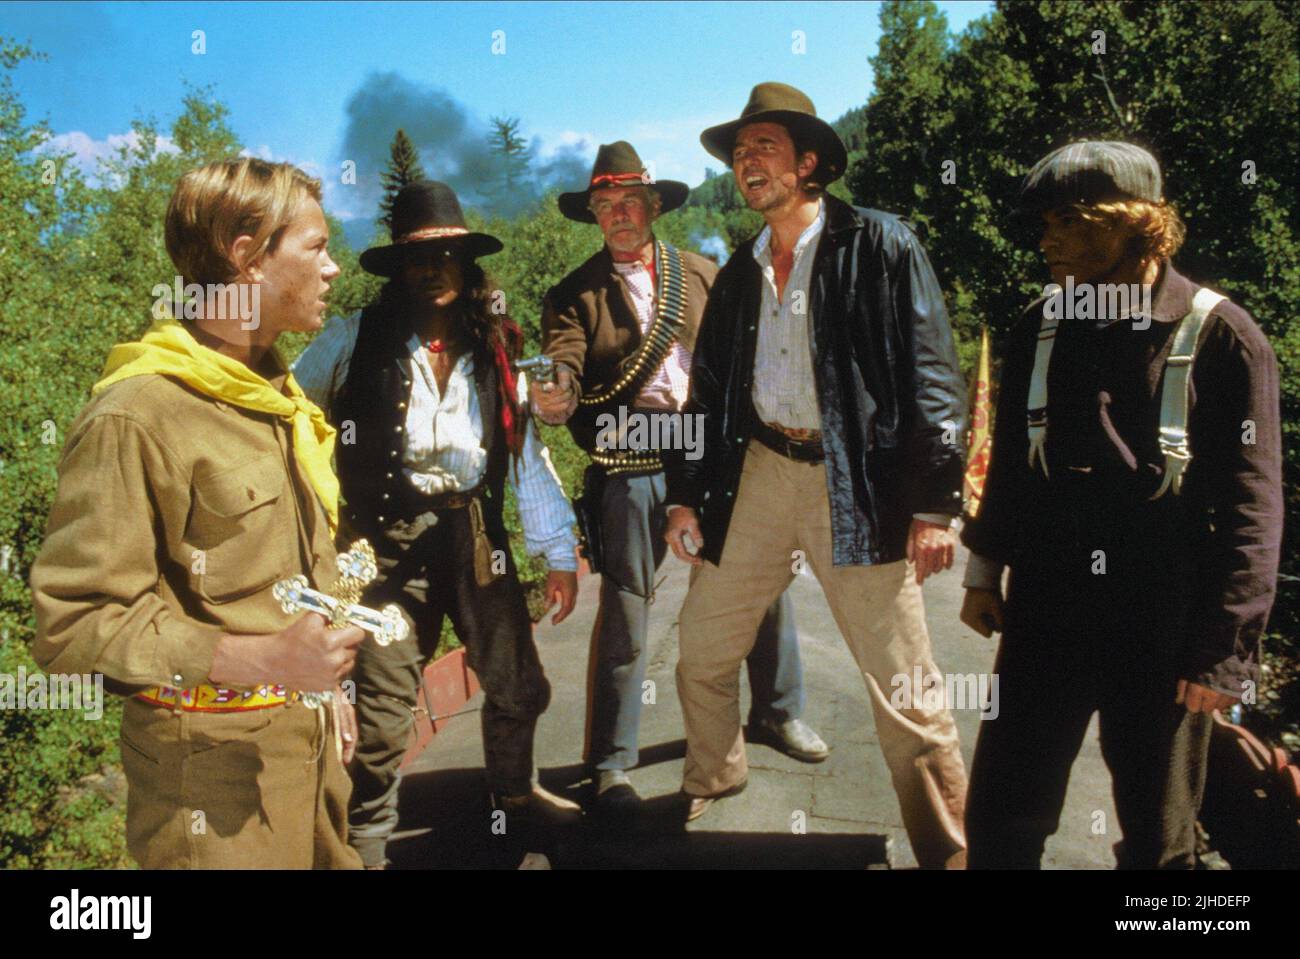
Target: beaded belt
{"type": "Point", "coordinates": [218, 699]}
{"type": "Point", "coordinates": [803, 450]}
{"type": "Point", "coordinates": [617, 462]}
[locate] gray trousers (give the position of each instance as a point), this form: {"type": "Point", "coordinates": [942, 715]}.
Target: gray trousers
{"type": "Point", "coordinates": [633, 521]}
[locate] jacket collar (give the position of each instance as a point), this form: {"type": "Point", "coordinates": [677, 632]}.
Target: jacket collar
{"type": "Point", "coordinates": [603, 261]}
{"type": "Point", "coordinates": [603, 271]}
{"type": "Point", "coordinates": [1171, 300]}
{"type": "Point", "coordinates": [840, 216]}
{"type": "Point", "coordinates": [813, 231]}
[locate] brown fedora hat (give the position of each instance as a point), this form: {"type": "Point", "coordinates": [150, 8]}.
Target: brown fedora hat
{"type": "Point", "coordinates": [783, 104]}
{"type": "Point", "coordinates": [425, 211]}
{"type": "Point", "coordinates": [617, 164]}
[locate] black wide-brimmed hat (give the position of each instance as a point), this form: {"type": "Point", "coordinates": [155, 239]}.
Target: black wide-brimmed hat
{"type": "Point", "coordinates": [426, 212]}
{"type": "Point", "coordinates": [617, 164]}
{"type": "Point", "coordinates": [783, 104]}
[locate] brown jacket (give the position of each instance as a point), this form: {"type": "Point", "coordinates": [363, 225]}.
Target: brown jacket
{"type": "Point", "coordinates": [174, 516]}
{"type": "Point", "coordinates": [589, 322]}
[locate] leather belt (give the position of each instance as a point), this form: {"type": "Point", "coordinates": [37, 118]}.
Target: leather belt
{"type": "Point", "coordinates": [455, 500]}
{"type": "Point", "coordinates": [802, 451]}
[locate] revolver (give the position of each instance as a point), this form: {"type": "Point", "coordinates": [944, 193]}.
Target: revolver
{"type": "Point", "coordinates": [544, 366]}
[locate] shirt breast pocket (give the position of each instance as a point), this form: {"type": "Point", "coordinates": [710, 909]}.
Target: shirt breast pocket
{"type": "Point", "coordinates": [243, 529]}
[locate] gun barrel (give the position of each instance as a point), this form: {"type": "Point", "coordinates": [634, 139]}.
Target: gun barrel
{"type": "Point", "coordinates": [543, 365]}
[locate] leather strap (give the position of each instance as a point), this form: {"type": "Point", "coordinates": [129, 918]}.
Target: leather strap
{"type": "Point", "coordinates": [1036, 411]}
{"type": "Point", "coordinates": [803, 451]}
{"type": "Point", "coordinates": [670, 314]}
{"type": "Point", "coordinates": [1174, 395]}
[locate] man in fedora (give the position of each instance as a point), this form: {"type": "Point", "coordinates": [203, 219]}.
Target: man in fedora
{"type": "Point", "coordinates": [621, 328]}
{"type": "Point", "coordinates": [432, 420]}
{"type": "Point", "coordinates": [1135, 493]}
{"type": "Point", "coordinates": [833, 404]}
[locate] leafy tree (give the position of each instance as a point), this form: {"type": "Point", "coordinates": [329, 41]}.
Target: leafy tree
{"type": "Point", "coordinates": [908, 103]}
{"type": "Point", "coordinates": [50, 816]}
{"type": "Point", "coordinates": [403, 168]}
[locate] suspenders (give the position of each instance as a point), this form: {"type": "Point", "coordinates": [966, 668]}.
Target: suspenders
{"type": "Point", "coordinates": [1037, 407]}
{"type": "Point", "coordinates": [1173, 395]}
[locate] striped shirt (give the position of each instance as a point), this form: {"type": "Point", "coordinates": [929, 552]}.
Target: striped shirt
{"type": "Point", "coordinates": [784, 389]}
{"type": "Point", "coordinates": [667, 389]}
{"type": "Point", "coordinates": [444, 434]}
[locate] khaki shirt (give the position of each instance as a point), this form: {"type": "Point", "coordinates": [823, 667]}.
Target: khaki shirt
{"type": "Point", "coordinates": [175, 514]}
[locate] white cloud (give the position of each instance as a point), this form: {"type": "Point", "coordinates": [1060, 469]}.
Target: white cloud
{"type": "Point", "coordinates": [87, 152]}
{"type": "Point", "coordinates": [671, 147]}
{"type": "Point", "coordinates": [566, 140]}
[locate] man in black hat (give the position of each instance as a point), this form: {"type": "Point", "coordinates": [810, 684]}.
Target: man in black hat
{"type": "Point", "coordinates": [828, 379]}
{"type": "Point", "coordinates": [432, 420]}
{"type": "Point", "coordinates": [1135, 493]}
{"type": "Point", "coordinates": [621, 328]}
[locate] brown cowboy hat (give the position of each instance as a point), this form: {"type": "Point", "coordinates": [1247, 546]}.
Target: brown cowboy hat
{"type": "Point", "coordinates": [783, 104]}
{"type": "Point", "coordinates": [426, 212]}
{"type": "Point", "coordinates": [617, 164]}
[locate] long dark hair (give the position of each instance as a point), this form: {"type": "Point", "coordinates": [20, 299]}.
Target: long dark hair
{"type": "Point", "coordinates": [473, 308]}
{"type": "Point", "coordinates": [495, 341]}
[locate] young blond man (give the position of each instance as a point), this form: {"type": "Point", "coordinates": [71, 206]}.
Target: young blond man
{"type": "Point", "coordinates": [198, 476]}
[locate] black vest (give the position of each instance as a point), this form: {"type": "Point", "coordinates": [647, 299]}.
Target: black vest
{"type": "Point", "coordinates": [371, 409]}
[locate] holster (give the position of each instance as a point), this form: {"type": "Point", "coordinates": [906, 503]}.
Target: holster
{"type": "Point", "coordinates": [587, 509]}
{"type": "Point", "coordinates": [484, 574]}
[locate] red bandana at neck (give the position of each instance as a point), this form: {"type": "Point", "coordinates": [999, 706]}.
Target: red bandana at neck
{"type": "Point", "coordinates": [649, 268]}
{"type": "Point", "coordinates": [512, 422]}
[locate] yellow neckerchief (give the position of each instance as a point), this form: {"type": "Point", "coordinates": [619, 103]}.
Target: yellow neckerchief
{"type": "Point", "coordinates": [169, 349]}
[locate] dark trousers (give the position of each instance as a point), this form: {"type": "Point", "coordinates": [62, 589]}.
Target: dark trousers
{"type": "Point", "coordinates": [633, 523]}
{"type": "Point", "coordinates": [426, 565]}
{"type": "Point", "coordinates": [1074, 645]}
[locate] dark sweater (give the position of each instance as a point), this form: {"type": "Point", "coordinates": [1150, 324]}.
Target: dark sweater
{"type": "Point", "coordinates": [1104, 391]}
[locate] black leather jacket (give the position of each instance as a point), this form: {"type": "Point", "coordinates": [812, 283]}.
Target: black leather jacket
{"type": "Point", "coordinates": [891, 395]}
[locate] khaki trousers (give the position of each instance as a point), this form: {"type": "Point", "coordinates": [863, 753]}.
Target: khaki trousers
{"type": "Point", "coordinates": [782, 516]}
{"type": "Point", "coordinates": [262, 789]}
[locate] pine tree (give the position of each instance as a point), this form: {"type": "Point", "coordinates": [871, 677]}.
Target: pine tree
{"type": "Point", "coordinates": [511, 152]}
{"type": "Point", "coordinates": [403, 168]}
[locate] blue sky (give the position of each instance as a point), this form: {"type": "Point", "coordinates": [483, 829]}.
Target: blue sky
{"type": "Point", "coordinates": [320, 83]}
